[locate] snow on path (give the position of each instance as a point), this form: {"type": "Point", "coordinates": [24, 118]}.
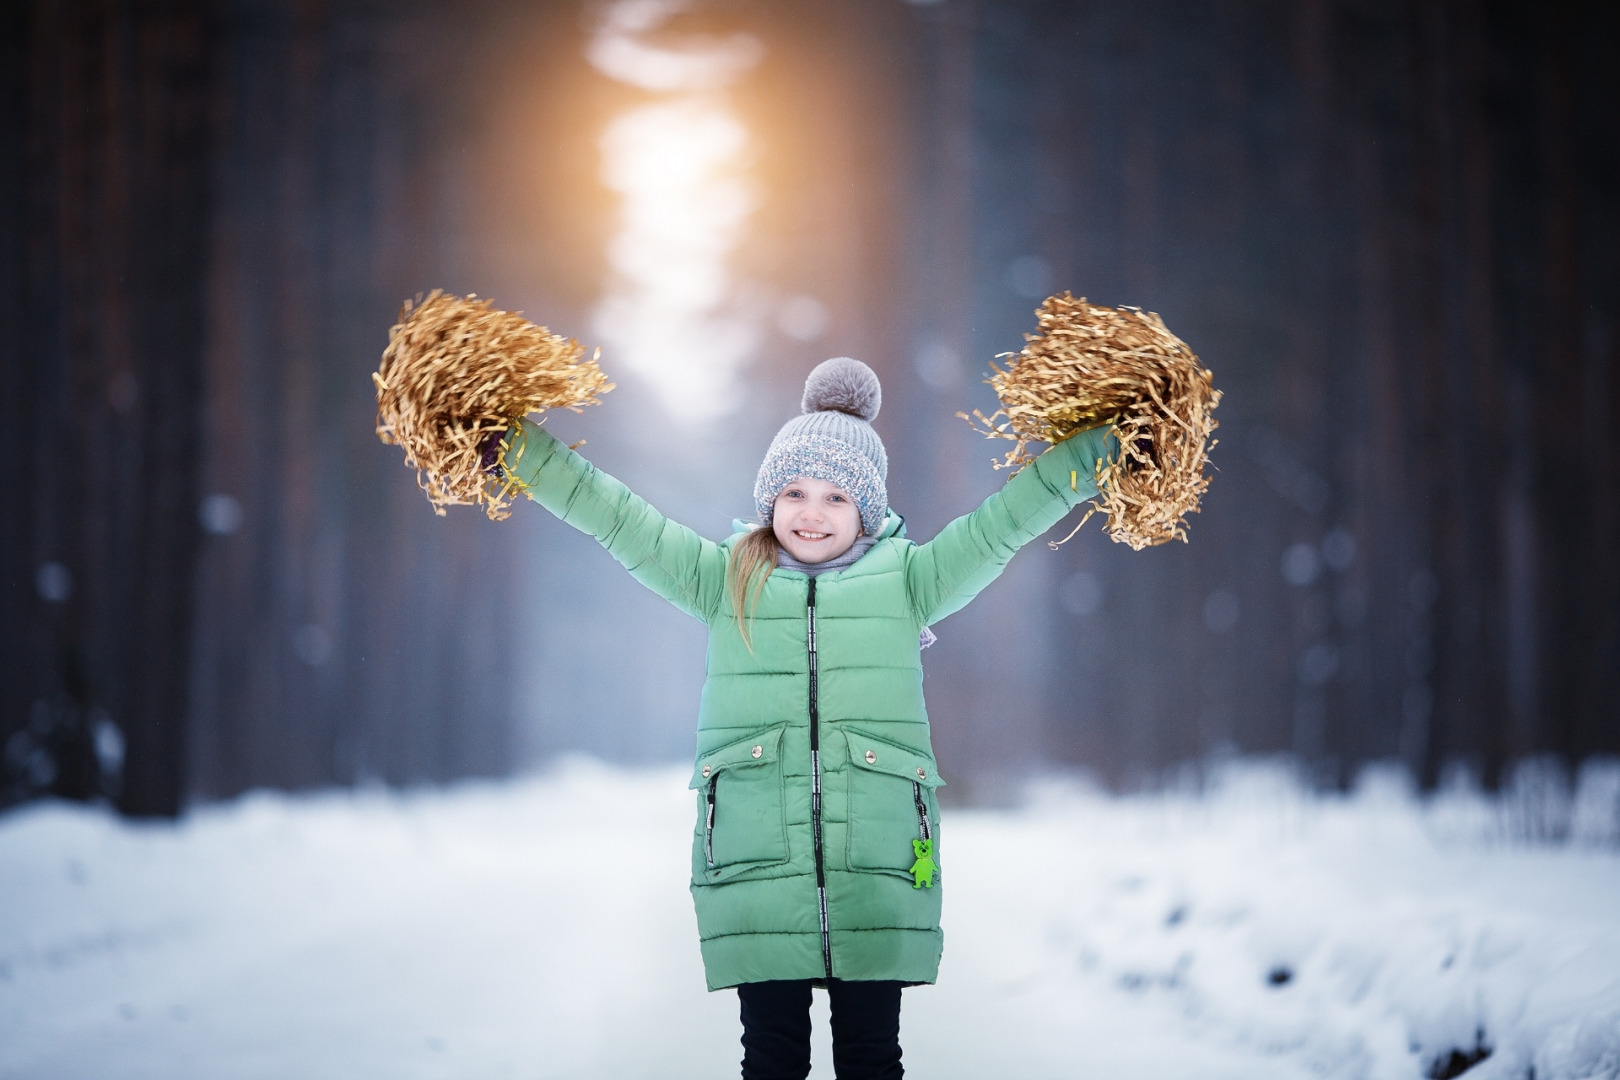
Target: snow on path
{"type": "Point", "coordinates": [541, 929]}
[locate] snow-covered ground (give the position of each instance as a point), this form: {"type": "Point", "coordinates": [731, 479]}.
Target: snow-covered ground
{"type": "Point", "coordinates": [541, 928]}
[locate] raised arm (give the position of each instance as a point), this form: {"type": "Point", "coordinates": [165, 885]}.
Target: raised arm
{"type": "Point", "coordinates": [667, 557]}
{"type": "Point", "coordinates": [970, 552]}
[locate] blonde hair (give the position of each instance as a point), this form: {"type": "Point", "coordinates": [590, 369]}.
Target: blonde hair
{"type": "Point", "coordinates": [752, 560]}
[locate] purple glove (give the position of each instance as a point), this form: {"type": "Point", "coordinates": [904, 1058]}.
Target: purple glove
{"type": "Point", "coordinates": [1143, 445]}
{"type": "Point", "coordinates": [489, 453]}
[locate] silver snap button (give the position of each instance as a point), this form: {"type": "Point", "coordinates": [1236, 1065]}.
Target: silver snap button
{"type": "Point", "coordinates": [758, 750]}
{"type": "Point", "coordinates": [922, 774]}
{"type": "Point", "coordinates": [871, 757]}
{"type": "Point", "coordinates": [705, 770]}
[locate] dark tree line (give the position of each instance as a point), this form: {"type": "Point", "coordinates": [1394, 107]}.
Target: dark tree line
{"type": "Point", "coordinates": [1389, 228]}
{"type": "Point", "coordinates": [212, 578]}
{"type": "Point", "coordinates": [343, 633]}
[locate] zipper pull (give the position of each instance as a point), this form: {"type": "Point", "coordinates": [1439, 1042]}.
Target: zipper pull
{"type": "Point", "coordinates": [923, 869]}
{"type": "Point", "coordinates": [708, 826]}
{"type": "Point", "coordinates": [922, 812]}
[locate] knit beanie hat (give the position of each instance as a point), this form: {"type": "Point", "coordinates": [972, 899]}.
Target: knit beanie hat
{"type": "Point", "coordinates": [833, 441]}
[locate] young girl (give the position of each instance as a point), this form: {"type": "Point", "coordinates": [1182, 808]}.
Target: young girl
{"type": "Point", "coordinates": [815, 857]}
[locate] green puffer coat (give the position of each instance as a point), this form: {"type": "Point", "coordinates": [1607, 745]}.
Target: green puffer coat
{"type": "Point", "coordinates": [788, 884]}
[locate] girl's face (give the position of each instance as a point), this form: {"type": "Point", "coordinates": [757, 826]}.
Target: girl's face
{"type": "Point", "coordinates": [815, 520]}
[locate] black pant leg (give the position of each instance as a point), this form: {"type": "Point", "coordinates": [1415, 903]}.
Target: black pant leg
{"type": "Point", "coordinates": [776, 1029]}
{"type": "Point", "coordinates": [865, 1030]}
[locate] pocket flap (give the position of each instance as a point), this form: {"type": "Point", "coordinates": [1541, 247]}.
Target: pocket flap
{"type": "Point", "coordinates": [880, 755]}
{"type": "Point", "coordinates": [758, 749]}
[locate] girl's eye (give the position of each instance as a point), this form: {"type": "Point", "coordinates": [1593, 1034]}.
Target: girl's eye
{"type": "Point", "coordinates": [836, 498]}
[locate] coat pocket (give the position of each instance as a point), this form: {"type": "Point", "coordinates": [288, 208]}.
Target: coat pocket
{"type": "Point", "coordinates": [742, 809]}
{"type": "Point", "coordinates": [891, 803]}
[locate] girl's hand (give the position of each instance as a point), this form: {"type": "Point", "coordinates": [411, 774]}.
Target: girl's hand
{"type": "Point", "coordinates": [1141, 455]}
{"type": "Point", "coordinates": [489, 453]}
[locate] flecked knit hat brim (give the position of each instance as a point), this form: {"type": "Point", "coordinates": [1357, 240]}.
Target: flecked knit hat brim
{"type": "Point", "coordinates": [822, 457]}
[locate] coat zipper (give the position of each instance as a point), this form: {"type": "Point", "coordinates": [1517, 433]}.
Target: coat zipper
{"type": "Point", "coordinates": [708, 827]}
{"type": "Point", "coordinates": [815, 785]}
{"type": "Point", "coordinates": [922, 811]}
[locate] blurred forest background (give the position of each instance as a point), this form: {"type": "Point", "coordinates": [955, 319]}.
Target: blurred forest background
{"type": "Point", "coordinates": [1390, 228]}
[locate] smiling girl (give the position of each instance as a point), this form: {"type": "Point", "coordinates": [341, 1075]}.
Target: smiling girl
{"type": "Point", "coordinates": [815, 854]}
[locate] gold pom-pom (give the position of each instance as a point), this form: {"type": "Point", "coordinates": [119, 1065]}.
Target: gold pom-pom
{"type": "Point", "coordinates": [455, 371]}
{"type": "Point", "coordinates": [1091, 365]}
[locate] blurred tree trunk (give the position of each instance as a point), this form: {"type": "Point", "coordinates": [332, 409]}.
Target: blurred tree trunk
{"type": "Point", "coordinates": [105, 210]}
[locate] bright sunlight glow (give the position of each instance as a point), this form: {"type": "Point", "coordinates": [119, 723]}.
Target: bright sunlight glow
{"type": "Point", "coordinates": [679, 166]}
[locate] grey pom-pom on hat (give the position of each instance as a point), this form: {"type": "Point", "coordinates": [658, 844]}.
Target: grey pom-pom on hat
{"type": "Point", "coordinates": [842, 384]}
{"type": "Point", "coordinates": [833, 440]}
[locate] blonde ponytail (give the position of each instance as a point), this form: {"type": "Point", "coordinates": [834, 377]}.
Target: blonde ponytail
{"type": "Point", "coordinates": [752, 560]}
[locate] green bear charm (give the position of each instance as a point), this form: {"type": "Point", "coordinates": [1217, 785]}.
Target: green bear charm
{"type": "Point", "coordinates": [923, 868]}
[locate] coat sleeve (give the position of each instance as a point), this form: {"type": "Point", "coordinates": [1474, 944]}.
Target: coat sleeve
{"type": "Point", "coordinates": [969, 553]}
{"type": "Point", "coordinates": [667, 557]}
